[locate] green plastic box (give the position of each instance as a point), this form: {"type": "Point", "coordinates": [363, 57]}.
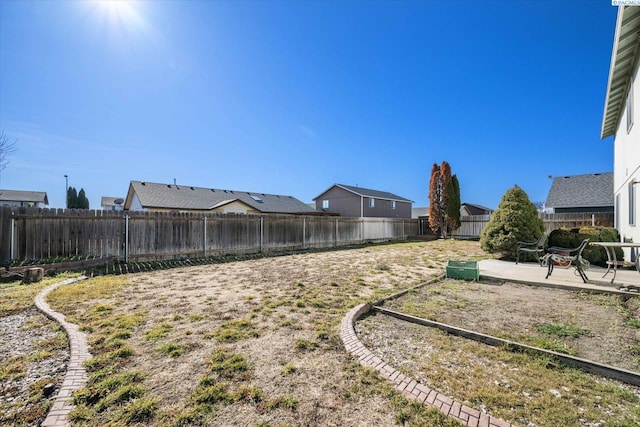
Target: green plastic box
{"type": "Point", "coordinates": [467, 270]}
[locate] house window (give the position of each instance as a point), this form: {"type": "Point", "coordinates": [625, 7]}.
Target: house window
{"type": "Point", "coordinates": [372, 202]}
{"type": "Point", "coordinates": [393, 204]}
{"type": "Point", "coordinates": [632, 203]}
{"type": "Point", "coordinates": [325, 204]}
{"type": "Point", "coordinates": [630, 108]}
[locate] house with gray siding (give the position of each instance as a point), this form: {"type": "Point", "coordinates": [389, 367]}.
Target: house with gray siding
{"type": "Point", "coordinates": [589, 193]}
{"type": "Point", "coordinates": [351, 201]}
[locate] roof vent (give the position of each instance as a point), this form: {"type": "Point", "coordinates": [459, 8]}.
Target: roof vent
{"type": "Point", "coordinates": [213, 191]}
{"type": "Point", "coordinates": [168, 185]}
{"type": "Point", "coordinates": [596, 174]}
{"type": "Point", "coordinates": [192, 188]}
{"type": "Point", "coordinates": [143, 183]}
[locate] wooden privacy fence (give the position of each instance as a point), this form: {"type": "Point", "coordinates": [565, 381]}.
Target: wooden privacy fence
{"type": "Point", "coordinates": [574, 220]}
{"type": "Point", "coordinates": [47, 233]}
{"type": "Point", "coordinates": [471, 226]}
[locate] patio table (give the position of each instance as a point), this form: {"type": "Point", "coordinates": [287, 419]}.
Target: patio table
{"type": "Point", "coordinates": [612, 260]}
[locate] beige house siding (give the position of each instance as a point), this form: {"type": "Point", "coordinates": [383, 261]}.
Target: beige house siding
{"type": "Point", "coordinates": [235, 207]}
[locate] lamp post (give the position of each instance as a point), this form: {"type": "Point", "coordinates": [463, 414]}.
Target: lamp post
{"type": "Point", "coordinates": [66, 191]}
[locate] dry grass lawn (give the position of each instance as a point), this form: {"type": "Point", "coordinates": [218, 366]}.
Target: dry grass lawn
{"type": "Point", "coordinates": [251, 343]}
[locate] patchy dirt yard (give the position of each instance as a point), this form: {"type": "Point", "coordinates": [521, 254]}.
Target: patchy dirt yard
{"type": "Point", "coordinates": [597, 327]}
{"type": "Point", "coordinates": [257, 343]}
{"type": "Point", "coordinates": [521, 389]}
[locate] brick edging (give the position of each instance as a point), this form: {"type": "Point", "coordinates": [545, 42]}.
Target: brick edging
{"type": "Point", "coordinates": [76, 376]}
{"type": "Point", "coordinates": [410, 388]}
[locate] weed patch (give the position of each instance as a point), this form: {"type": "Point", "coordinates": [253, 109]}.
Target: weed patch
{"type": "Point", "coordinates": [305, 345]}
{"type": "Point", "coordinates": [561, 330]}
{"type": "Point", "coordinates": [284, 402]}
{"type": "Point", "coordinates": [235, 330]}
{"type": "Point", "coordinates": [158, 332]}
{"type": "Point", "coordinates": [171, 349]}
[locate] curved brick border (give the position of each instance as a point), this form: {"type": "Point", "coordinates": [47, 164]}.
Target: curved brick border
{"type": "Point", "coordinates": [409, 387]}
{"type": "Point", "coordinates": [76, 376]}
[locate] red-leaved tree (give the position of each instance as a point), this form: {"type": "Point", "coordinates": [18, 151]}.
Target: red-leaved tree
{"type": "Point", "coordinates": [438, 198]}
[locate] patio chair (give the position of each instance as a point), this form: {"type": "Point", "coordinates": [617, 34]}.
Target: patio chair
{"type": "Point", "coordinates": [565, 257]}
{"type": "Point", "coordinates": [536, 248]}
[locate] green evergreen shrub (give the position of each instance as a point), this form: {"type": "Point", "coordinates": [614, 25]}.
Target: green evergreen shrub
{"type": "Point", "coordinates": [565, 238]}
{"type": "Point", "coordinates": [515, 220]}
{"type": "Point", "coordinates": [571, 238]}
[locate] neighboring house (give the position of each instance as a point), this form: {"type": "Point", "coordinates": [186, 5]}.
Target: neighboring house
{"type": "Point", "coordinates": [466, 209]}
{"type": "Point", "coordinates": [469, 209]}
{"type": "Point", "coordinates": [155, 197]}
{"type": "Point", "coordinates": [420, 212]}
{"type": "Point", "coordinates": [347, 200]}
{"type": "Point", "coordinates": [112, 203]}
{"type": "Point", "coordinates": [621, 119]}
{"type": "Point", "coordinates": [588, 193]}
{"type": "Point", "coordinates": [36, 199]}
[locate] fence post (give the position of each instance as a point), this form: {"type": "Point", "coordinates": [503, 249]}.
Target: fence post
{"type": "Point", "coordinates": [304, 232]}
{"type": "Point", "coordinates": [204, 237]}
{"type": "Point", "coordinates": [126, 239]}
{"type": "Point", "coordinates": [13, 236]}
{"type": "Point", "coordinates": [261, 232]}
{"type": "Point", "coordinates": [403, 229]}
{"type": "Point", "coordinates": [335, 236]}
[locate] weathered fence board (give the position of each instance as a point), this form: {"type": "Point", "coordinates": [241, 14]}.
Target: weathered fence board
{"type": "Point", "coordinates": [471, 226]}
{"type": "Point", "coordinates": [48, 233]}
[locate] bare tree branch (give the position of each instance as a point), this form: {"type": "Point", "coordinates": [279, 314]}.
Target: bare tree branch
{"type": "Point", "coordinates": [7, 147]}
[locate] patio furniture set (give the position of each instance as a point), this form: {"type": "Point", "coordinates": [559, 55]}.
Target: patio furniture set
{"type": "Point", "coordinates": [567, 257]}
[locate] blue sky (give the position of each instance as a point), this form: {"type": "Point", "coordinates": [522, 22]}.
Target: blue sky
{"type": "Point", "coordinates": [290, 97]}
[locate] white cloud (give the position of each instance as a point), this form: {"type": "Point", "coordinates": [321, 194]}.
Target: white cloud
{"type": "Point", "coordinates": [307, 131]}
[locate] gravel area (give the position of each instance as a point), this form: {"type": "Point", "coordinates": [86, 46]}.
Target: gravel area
{"type": "Point", "coordinates": [37, 352]}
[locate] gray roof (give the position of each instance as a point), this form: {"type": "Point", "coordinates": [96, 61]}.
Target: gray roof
{"type": "Point", "coordinates": [110, 201]}
{"type": "Point", "coordinates": [23, 196]}
{"type": "Point", "coordinates": [477, 209]}
{"type": "Point", "coordinates": [624, 57]}
{"type": "Point", "coordinates": [589, 190]}
{"type": "Point", "coordinates": [170, 196]}
{"type": "Point", "coordinates": [366, 192]}
{"type": "Point", "coordinates": [419, 212]}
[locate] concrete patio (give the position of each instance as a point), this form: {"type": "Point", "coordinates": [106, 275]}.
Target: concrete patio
{"type": "Point", "coordinates": [565, 278]}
